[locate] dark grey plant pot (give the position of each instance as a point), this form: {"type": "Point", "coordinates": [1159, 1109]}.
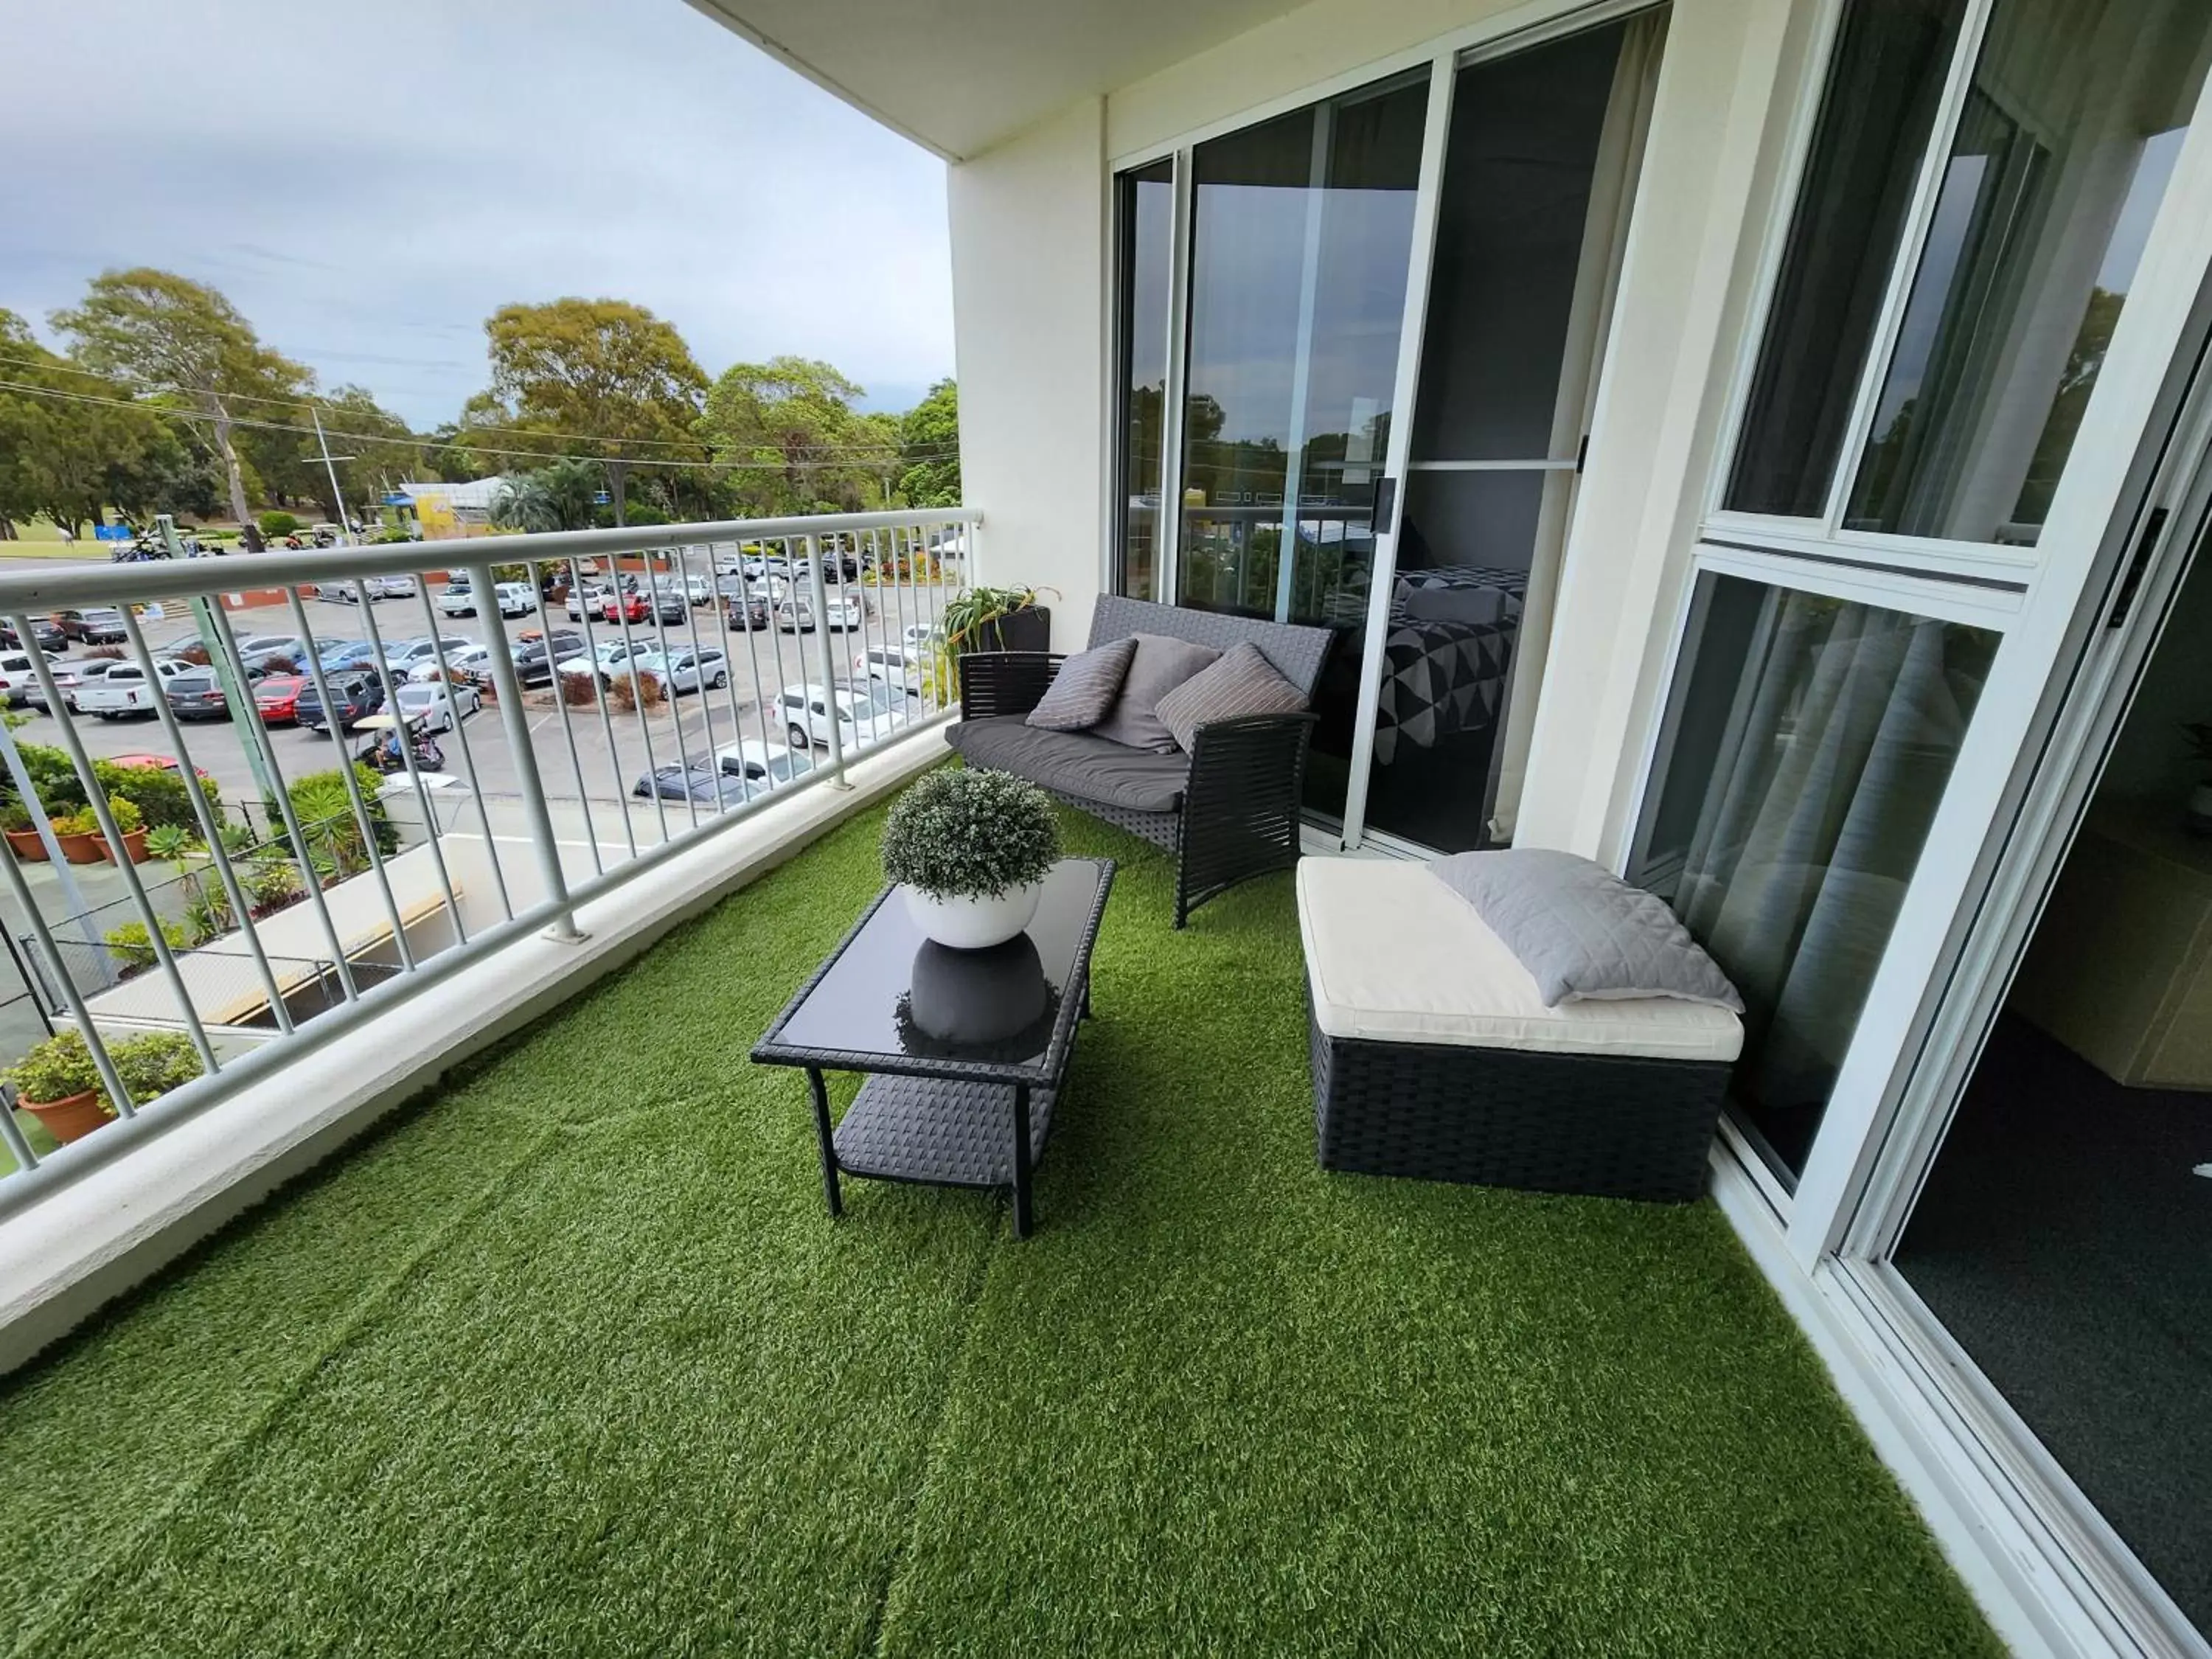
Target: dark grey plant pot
{"type": "Point", "coordinates": [1027, 629]}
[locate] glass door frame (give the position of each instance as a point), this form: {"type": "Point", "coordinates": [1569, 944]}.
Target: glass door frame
{"type": "Point", "coordinates": [2033, 594]}
{"type": "Point", "coordinates": [1491, 38]}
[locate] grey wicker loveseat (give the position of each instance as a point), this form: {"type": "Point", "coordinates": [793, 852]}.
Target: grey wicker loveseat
{"type": "Point", "coordinates": [1229, 810]}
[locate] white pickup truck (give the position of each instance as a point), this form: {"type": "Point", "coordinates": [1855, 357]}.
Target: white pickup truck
{"type": "Point", "coordinates": [123, 689]}
{"type": "Point", "coordinates": [17, 681]}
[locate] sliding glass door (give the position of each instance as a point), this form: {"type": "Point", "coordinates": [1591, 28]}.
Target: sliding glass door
{"type": "Point", "coordinates": [1284, 289]}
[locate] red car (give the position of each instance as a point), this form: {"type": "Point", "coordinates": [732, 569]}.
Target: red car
{"type": "Point", "coordinates": [276, 696]}
{"type": "Point", "coordinates": [627, 607]}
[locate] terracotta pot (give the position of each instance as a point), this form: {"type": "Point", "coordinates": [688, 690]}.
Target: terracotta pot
{"type": "Point", "coordinates": [27, 845]}
{"type": "Point", "coordinates": [133, 842]}
{"type": "Point", "coordinates": [72, 1119]}
{"type": "Point", "coordinates": [82, 849]}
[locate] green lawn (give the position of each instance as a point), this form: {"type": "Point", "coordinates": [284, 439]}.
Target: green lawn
{"type": "Point", "coordinates": [568, 1360]}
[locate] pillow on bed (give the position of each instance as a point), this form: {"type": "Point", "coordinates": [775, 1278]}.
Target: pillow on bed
{"type": "Point", "coordinates": [1474, 606]}
{"type": "Point", "coordinates": [1243, 682]}
{"type": "Point", "coordinates": [1582, 932]}
{"type": "Point", "coordinates": [1084, 689]}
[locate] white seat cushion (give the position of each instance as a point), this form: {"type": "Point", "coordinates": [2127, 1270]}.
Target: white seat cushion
{"type": "Point", "coordinates": [1394, 955]}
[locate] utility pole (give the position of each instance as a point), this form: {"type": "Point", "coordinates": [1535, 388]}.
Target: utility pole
{"type": "Point", "coordinates": [330, 461]}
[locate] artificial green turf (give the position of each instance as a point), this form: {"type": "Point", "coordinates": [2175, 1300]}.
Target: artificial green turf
{"type": "Point", "coordinates": [570, 1360]}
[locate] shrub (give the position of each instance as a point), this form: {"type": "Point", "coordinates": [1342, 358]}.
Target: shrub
{"type": "Point", "coordinates": [278, 524]}
{"type": "Point", "coordinates": [152, 1065]}
{"type": "Point", "coordinates": [578, 690]}
{"type": "Point", "coordinates": [334, 842]}
{"type": "Point", "coordinates": [970, 834]}
{"type": "Point", "coordinates": [14, 815]}
{"type": "Point", "coordinates": [134, 947]}
{"type": "Point", "coordinates": [126, 813]}
{"type": "Point", "coordinates": [632, 692]}
{"type": "Point", "coordinates": [273, 885]}
{"type": "Point", "coordinates": [79, 822]}
{"type": "Point", "coordinates": [106, 653]}
{"type": "Point", "coordinates": [158, 792]}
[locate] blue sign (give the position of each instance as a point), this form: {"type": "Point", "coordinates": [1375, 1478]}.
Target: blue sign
{"type": "Point", "coordinates": [112, 533]}
{"type": "Point", "coordinates": [600, 498]}
{"type": "Point", "coordinates": [398, 501]}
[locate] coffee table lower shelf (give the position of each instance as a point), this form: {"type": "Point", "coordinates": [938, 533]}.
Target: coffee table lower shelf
{"type": "Point", "coordinates": [937, 1130]}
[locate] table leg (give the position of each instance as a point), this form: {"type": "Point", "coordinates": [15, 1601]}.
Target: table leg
{"type": "Point", "coordinates": [1021, 1160]}
{"type": "Point", "coordinates": [820, 1094]}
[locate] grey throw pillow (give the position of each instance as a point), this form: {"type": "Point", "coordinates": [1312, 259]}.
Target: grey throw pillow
{"type": "Point", "coordinates": [1161, 665]}
{"type": "Point", "coordinates": [1582, 932]}
{"type": "Point", "coordinates": [1242, 682]}
{"type": "Point", "coordinates": [1084, 689]}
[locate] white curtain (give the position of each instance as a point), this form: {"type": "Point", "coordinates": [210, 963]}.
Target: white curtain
{"type": "Point", "coordinates": [1846, 723]}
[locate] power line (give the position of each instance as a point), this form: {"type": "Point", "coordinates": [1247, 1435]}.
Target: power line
{"type": "Point", "coordinates": [304, 399]}
{"type": "Point", "coordinates": [413, 442]}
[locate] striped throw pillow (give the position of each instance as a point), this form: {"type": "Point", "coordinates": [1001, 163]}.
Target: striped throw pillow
{"type": "Point", "coordinates": [1084, 689]}
{"type": "Point", "coordinates": [1243, 682]}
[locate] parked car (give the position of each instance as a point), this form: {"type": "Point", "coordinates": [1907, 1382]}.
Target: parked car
{"type": "Point", "coordinates": [680, 669]}
{"type": "Point", "coordinates": [440, 708]}
{"type": "Point", "coordinates": [699, 589]}
{"type": "Point", "coordinates": [601, 661]}
{"type": "Point", "coordinates": [123, 689]}
{"type": "Point", "coordinates": [848, 611]}
{"type": "Point", "coordinates": [256, 645]}
{"type": "Point", "coordinates": [586, 597]}
{"type": "Point", "coordinates": [745, 615]}
{"type": "Point", "coordinates": [401, 586]}
{"type": "Point", "coordinates": [668, 604]}
{"type": "Point", "coordinates": [353, 696]}
{"type": "Point", "coordinates": [865, 711]}
{"type": "Point", "coordinates": [534, 658]}
{"type": "Point", "coordinates": [402, 655]}
{"type": "Point", "coordinates": [473, 665]}
{"type": "Point", "coordinates": [257, 663]}
{"type": "Point", "coordinates": [341, 654]}
{"type": "Point", "coordinates": [18, 679]}
{"type": "Point", "coordinates": [765, 765]}
{"type": "Point", "coordinates": [68, 678]}
{"type": "Point", "coordinates": [277, 698]}
{"type": "Point", "coordinates": [508, 598]}
{"type": "Point", "coordinates": [906, 669]}
{"type": "Point", "coordinates": [46, 636]}
{"type": "Point", "coordinates": [197, 697]}
{"type": "Point", "coordinates": [625, 605]}
{"type": "Point", "coordinates": [701, 782]}
{"type": "Point", "coordinates": [101, 625]}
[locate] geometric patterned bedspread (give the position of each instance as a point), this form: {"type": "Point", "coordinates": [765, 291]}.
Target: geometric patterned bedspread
{"type": "Point", "coordinates": [1440, 679]}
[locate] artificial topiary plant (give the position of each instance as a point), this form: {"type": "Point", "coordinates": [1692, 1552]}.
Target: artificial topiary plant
{"type": "Point", "coordinates": [967, 833]}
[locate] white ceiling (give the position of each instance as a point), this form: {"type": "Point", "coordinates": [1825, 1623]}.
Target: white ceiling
{"type": "Point", "coordinates": [960, 75]}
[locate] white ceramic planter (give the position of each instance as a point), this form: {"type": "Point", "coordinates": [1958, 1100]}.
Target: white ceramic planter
{"type": "Point", "coordinates": [967, 923]}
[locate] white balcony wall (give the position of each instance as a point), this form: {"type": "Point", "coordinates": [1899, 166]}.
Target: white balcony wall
{"type": "Point", "coordinates": [1028, 299]}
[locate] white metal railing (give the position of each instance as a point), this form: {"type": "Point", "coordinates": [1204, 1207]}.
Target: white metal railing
{"type": "Point", "coordinates": [851, 602]}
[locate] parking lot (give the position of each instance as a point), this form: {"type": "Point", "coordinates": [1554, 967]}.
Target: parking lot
{"type": "Point", "coordinates": [612, 752]}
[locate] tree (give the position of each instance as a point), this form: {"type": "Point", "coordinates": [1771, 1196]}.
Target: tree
{"type": "Point", "coordinates": [588, 374]}
{"type": "Point", "coordinates": [794, 443]}
{"type": "Point", "coordinates": [167, 331]}
{"type": "Point", "coordinates": [929, 449]}
{"type": "Point", "coordinates": [72, 444]}
{"type": "Point", "coordinates": [561, 496]}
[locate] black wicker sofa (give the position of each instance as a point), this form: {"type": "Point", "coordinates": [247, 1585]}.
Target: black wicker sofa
{"type": "Point", "coordinates": [1229, 810]}
{"type": "Point", "coordinates": [1434, 1057]}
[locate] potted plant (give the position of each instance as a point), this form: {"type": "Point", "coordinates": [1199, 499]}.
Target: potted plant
{"type": "Point", "coordinates": [23, 839]}
{"type": "Point", "coordinates": [996, 619]}
{"type": "Point", "coordinates": [58, 1084]}
{"type": "Point", "coordinates": [972, 849]}
{"type": "Point", "coordinates": [80, 837]}
{"type": "Point", "coordinates": [133, 824]}
{"type": "Point", "coordinates": [2197, 816]}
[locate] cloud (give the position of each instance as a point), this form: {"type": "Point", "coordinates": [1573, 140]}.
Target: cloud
{"type": "Point", "coordinates": [368, 184]}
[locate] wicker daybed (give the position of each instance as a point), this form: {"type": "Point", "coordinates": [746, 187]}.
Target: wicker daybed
{"type": "Point", "coordinates": [1435, 1057]}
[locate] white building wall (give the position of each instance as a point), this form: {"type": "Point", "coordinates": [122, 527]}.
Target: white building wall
{"type": "Point", "coordinates": [1028, 299]}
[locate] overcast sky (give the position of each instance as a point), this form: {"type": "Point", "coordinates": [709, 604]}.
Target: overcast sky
{"type": "Point", "coordinates": [369, 181]}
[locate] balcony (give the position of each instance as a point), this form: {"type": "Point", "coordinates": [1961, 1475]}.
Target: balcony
{"type": "Point", "coordinates": [568, 1358]}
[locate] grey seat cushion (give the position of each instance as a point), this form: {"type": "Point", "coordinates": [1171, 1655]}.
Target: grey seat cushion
{"type": "Point", "coordinates": [1161, 665]}
{"type": "Point", "coordinates": [1084, 689]}
{"type": "Point", "coordinates": [1079, 763]}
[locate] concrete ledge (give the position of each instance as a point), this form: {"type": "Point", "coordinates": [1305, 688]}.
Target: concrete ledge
{"type": "Point", "coordinates": [95, 1237]}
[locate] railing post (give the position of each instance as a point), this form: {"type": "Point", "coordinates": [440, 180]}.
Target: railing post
{"type": "Point", "coordinates": [527, 782]}
{"type": "Point", "coordinates": [821, 601]}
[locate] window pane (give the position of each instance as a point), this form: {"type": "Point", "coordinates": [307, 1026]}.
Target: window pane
{"type": "Point", "coordinates": [1884, 83]}
{"type": "Point", "coordinates": [2057, 172]}
{"type": "Point", "coordinates": [1810, 741]}
{"type": "Point", "coordinates": [1144, 215]}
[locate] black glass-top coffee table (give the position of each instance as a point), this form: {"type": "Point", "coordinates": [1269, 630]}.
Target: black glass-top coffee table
{"type": "Point", "coordinates": [965, 1050]}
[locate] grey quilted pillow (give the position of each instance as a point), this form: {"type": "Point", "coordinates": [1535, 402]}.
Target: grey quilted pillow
{"type": "Point", "coordinates": [1162, 663]}
{"type": "Point", "coordinates": [1084, 689]}
{"type": "Point", "coordinates": [1582, 932]}
{"type": "Point", "coordinates": [1243, 682]}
